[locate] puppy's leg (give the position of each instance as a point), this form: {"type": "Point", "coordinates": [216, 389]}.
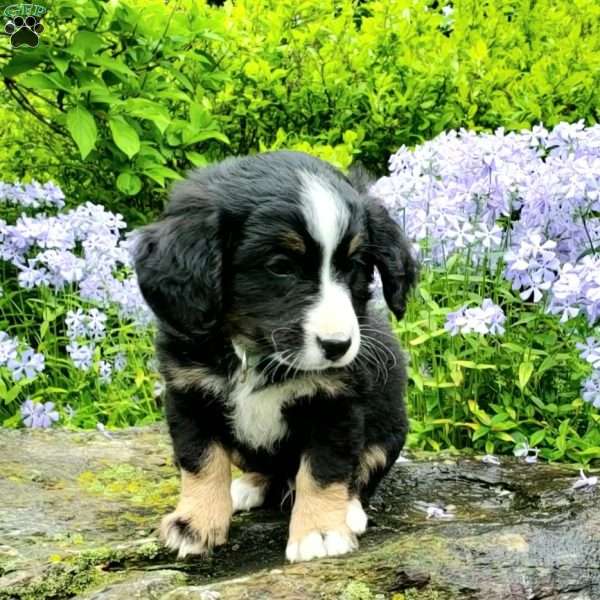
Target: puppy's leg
{"type": "Point", "coordinates": [249, 491]}
{"type": "Point", "coordinates": [203, 514]}
{"type": "Point", "coordinates": [375, 460]}
{"type": "Point", "coordinates": [318, 526]}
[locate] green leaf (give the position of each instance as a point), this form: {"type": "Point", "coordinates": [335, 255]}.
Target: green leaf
{"type": "Point", "coordinates": [39, 81]}
{"type": "Point", "coordinates": [82, 127]}
{"type": "Point", "coordinates": [426, 336]}
{"type": "Point", "coordinates": [24, 61]}
{"type": "Point", "coordinates": [190, 137]}
{"type": "Point", "coordinates": [159, 173]}
{"type": "Point", "coordinates": [198, 160]}
{"type": "Point", "coordinates": [481, 432]}
{"type": "Point", "coordinates": [537, 437]}
{"type": "Point", "coordinates": [416, 377]}
{"type": "Point", "coordinates": [525, 372]}
{"type": "Point", "coordinates": [112, 65]}
{"type": "Point", "coordinates": [129, 183]}
{"type": "Point", "coordinates": [85, 43]}
{"type": "Point", "coordinates": [146, 109]}
{"type": "Point", "coordinates": [60, 61]}
{"type": "Point", "coordinates": [124, 135]}
{"type": "Point", "coordinates": [593, 451]}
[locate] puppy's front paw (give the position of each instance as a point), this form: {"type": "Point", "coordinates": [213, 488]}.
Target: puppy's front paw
{"type": "Point", "coordinates": [316, 544]}
{"type": "Point", "coordinates": [188, 534]}
{"type": "Point", "coordinates": [356, 517]}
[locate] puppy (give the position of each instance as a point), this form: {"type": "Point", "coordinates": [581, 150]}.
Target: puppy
{"type": "Point", "coordinates": [258, 273]}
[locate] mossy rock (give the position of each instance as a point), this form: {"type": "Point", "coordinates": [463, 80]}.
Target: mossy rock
{"type": "Point", "coordinates": [79, 512]}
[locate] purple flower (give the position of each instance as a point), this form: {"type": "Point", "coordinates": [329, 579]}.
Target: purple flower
{"type": "Point", "coordinates": [590, 351]}
{"type": "Point", "coordinates": [76, 325]}
{"type": "Point", "coordinates": [38, 416]}
{"type": "Point", "coordinates": [8, 348]}
{"type": "Point", "coordinates": [584, 482]}
{"type": "Point", "coordinates": [81, 355]}
{"type": "Point", "coordinates": [120, 362]}
{"type": "Point", "coordinates": [105, 371]}
{"type": "Point", "coordinates": [488, 318]}
{"type": "Point", "coordinates": [96, 324]}
{"type": "Point", "coordinates": [29, 364]}
{"type": "Point", "coordinates": [590, 390]}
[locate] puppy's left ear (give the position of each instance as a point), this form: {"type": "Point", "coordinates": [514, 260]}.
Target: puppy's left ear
{"type": "Point", "coordinates": [392, 256]}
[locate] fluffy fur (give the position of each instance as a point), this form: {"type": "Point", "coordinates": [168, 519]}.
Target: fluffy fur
{"type": "Point", "coordinates": [258, 273]}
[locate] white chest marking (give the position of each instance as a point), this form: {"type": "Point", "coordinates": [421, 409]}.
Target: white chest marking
{"type": "Point", "coordinates": [256, 416]}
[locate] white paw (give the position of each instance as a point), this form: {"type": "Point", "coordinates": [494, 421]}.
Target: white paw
{"type": "Point", "coordinates": [317, 545]}
{"type": "Point", "coordinates": [356, 517]}
{"type": "Point", "coordinates": [246, 495]}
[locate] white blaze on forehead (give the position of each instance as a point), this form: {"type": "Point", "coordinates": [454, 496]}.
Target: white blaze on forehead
{"type": "Point", "coordinates": [326, 214]}
{"type": "Point", "coordinates": [332, 316]}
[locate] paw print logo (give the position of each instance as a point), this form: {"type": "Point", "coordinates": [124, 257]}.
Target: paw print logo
{"type": "Point", "coordinates": [24, 32]}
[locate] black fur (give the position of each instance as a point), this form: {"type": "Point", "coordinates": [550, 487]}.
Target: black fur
{"type": "Point", "coordinates": [210, 271]}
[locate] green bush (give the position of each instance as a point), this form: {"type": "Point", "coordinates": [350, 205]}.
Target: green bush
{"type": "Point", "coordinates": [142, 91]}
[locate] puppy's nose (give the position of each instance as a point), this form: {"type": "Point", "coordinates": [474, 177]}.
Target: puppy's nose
{"type": "Point", "coordinates": [334, 348]}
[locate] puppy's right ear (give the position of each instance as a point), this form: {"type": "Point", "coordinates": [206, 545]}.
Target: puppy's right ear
{"type": "Point", "coordinates": [178, 265]}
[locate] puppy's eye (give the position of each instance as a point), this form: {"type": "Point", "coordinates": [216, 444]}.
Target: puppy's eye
{"type": "Point", "coordinates": [281, 266]}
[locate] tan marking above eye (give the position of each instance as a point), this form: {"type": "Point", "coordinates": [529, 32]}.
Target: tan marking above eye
{"type": "Point", "coordinates": [355, 242]}
{"type": "Point", "coordinates": [293, 241]}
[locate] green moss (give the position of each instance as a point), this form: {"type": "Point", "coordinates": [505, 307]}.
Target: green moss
{"type": "Point", "coordinates": [65, 578]}
{"type": "Point", "coordinates": [137, 486]}
{"type": "Point", "coordinates": [357, 590]}
{"type": "Point", "coordinates": [58, 582]}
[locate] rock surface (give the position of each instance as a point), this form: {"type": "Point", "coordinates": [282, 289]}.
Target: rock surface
{"type": "Point", "coordinates": [78, 513]}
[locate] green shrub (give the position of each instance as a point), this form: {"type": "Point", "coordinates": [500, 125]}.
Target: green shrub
{"type": "Point", "coordinates": [147, 89]}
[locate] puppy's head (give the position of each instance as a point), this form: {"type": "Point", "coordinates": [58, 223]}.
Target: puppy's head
{"type": "Point", "coordinates": [276, 252]}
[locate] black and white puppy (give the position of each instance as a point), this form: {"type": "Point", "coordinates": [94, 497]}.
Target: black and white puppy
{"type": "Point", "coordinates": [259, 273]}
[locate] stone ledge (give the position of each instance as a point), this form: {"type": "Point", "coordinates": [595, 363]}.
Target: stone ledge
{"type": "Point", "coordinates": [79, 512]}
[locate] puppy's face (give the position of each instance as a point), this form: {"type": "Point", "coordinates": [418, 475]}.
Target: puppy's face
{"type": "Point", "coordinates": [300, 276]}
{"type": "Point", "coordinates": [275, 252]}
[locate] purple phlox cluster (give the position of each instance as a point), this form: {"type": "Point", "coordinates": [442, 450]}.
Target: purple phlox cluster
{"type": "Point", "coordinates": [584, 481]}
{"type": "Point", "coordinates": [120, 362]}
{"type": "Point", "coordinates": [532, 267]}
{"type": "Point", "coordinates": [488, 318]}
{"type": "Point", "coordinates": [534, 196]}
{"type": "Point", "coordinates": [590, 351]}
{"type": "Point", "coordinates": [21, 360]}
{"type": "Point", "coordinates": [32, 195]}
{"type": "Point", "coordinates": [81, 249]}
{"type": "Point", "coordinates": [577, 290]}
{"type": "Point", "coordinates": [90, 324]}
{"type": "Point", "coordinates": [105, 370]}
{"type": "Point", "coordinates": [82, 355]}
{"type": "Point", "coordinates": [37, 415]}
{"type": "Point", "coordinates": [590, 390]}
{"type": "Point", "coordinates": [85, 329]}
